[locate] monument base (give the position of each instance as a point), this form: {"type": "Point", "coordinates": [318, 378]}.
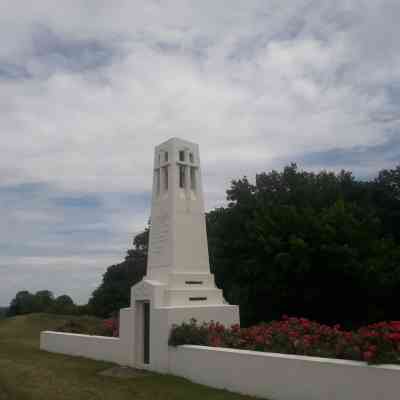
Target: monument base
{"type": "Point", "coordinates": [148, 322]}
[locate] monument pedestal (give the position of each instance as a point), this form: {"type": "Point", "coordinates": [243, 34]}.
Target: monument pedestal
{"type": "Point", "coordinates": [154, 318]}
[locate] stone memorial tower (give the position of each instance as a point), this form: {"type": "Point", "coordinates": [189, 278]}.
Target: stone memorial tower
{"type": "Point", "coordinates": [178, 251]}
{"type": "Point", "coordinates": [178, 285]}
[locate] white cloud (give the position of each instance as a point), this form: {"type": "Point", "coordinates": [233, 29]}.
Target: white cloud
{"type": "Point", "coordinates": [96, 85]}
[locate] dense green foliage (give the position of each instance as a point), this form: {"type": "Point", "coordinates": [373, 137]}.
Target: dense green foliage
{"type": "Point", "coordinates": [323, 246]}
{"type": "Point", "coordinates": [114, 291]}
{"type": "Point", "coordinates": [3, 312]}
{"type": "Point", "coordinates": [25, 302]}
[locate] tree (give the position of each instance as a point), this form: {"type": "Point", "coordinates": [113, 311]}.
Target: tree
{"type": "Point", "coordinates": [386, 195]}
{"type": "Point", "coordinates": [25, 302]}
{"type": "Point", "coordinates": [63, 305]}
{"type": "Point", "coordinates": [114, 291]}
{"type": "Point", "coordinates": [43, 300]}
{"type": "Point", "coordinates": [306, 244]}
{"type": "Point", "coordinates": [22, 303]}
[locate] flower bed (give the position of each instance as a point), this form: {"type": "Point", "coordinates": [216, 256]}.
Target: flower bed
{"type": "Point", "coordinates": [377, 343]}
{"type": "Point", "coordinates": [91, 326]}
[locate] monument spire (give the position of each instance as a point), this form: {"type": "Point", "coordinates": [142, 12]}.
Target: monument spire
{"type": "Point", "coordinates": [178, 251]}
{"type": "Point", "coordinates": [178, 240]}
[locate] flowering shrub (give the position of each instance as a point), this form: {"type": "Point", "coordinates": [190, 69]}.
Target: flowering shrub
{"type": "Point", "coordinates": [376, 343]}
{"type": "Point", "coordinates": [111, 325]}
{"type": "Point", "coordinates": [91, 326]}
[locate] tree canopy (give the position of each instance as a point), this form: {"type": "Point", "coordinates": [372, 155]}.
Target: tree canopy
{"type": "Point", "coordinates": [318, 245]}
{"type": "Point", "coordinates": [114, 291]}
{"type": "Point", "coordinates": [25, 302]}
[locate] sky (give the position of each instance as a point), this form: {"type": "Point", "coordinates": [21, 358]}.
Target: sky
{"type": "Point", "coordinates": [88, 88]}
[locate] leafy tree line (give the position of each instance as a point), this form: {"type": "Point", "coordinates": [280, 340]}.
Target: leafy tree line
{"type": "Point", "coordinates": [43, 301]}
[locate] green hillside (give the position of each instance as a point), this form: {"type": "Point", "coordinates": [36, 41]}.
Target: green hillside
{"type": "Point", "coordinates": [27, 373]}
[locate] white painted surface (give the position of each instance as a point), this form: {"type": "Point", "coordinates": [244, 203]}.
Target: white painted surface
{"type": "Point", "coordinates": [120, 350]}
{"type": "Point", "coordinates": [178, 249]}
{"type": "Point", "coordinates": [285, 377]}
{"type": "Point", "coordinates": [266, 375]}
{"type": "Point", "coordinates": [178, 284]}
{"type": "Point", "coordinates": [127, 336]}
{"type": "Point", "coordinates": [95, 347]}
{"type": "Point", "coordinates": [162, 319]}
{"type": "Point", "coordinates": [178, 240]}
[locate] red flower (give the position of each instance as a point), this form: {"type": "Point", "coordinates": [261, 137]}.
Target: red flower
{"type": "Point", "coordinates": [393, 336]}
{"type": "Point", "coordinates": [368, 355]}
{"type": "Point", "coordinates": [259, 339]}
{"type": "Point", "coordinates": [215, 341]}
{"type": "Point", "coordinates": [112, 325]}
{"type": "Point", "coordinates": [302, 336]}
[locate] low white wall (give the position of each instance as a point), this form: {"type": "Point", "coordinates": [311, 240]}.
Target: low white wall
{"type": "Point", "coordinates": [95, 347]}
{"type": "Point", "coordinates": [269, 375]}
{"type": "Point", "coordinates": [285, 377]}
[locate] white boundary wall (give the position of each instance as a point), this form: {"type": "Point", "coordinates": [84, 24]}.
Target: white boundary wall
{"type": "Point", "coordinates": [119, 350]}
{"type": "Point", "coordinates": [285, 377]}
{"type": "Point", "coordinates": [268, 375]}
{"type": "Point", "coordinates": [95, 347]}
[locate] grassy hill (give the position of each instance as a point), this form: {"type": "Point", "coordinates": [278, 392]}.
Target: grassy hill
{"type": "Point", "coordinates": [27, 373]}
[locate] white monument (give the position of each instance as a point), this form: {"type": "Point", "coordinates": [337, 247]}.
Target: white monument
{"type": "Point", "coordinates": [178, 285]}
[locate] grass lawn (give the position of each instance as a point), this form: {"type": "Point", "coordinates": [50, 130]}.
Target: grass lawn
{"type": "Point", "coordinates": [27, 373]}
